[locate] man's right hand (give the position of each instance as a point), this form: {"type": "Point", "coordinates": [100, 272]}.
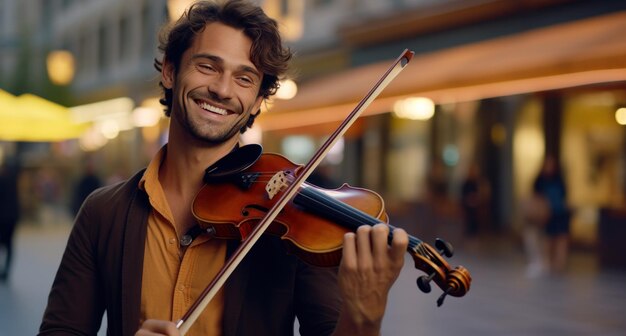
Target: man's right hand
{"type": "Point", "coordinates": [157, 327]}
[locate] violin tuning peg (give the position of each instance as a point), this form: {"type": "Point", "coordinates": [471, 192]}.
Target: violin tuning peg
{"type": "Point", "coordinates": [442, 297]}
{"type": "Point", "coordinates": [444, 247]}
{"type": "Point", "coordinates": [423, 283]}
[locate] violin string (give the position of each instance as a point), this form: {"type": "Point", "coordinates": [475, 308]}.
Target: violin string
{"type": "Point", "coordinates": [355, 213]}
{"type": "Point", "coordinates": [414, 243]}
{"type": "Point", "coordinates": [360, 216]}
{"type": "Point", "coordinates": [324, 201]}
{"type": "Point", "coordinates": [423, 251]}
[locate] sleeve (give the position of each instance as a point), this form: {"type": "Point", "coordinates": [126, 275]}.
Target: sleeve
{"type": "Point", "coordinates": [317, 301]}
{"type": "Point", "coordinates": [75, 305]}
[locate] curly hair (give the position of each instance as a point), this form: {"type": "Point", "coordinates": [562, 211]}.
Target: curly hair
{"type": "Point", "coordinates": [267, 52]}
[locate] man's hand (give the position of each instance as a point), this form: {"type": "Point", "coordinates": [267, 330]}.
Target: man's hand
{"type": "Point", "coordinates": [157, 327]}
{"type": "Point", "coordinates": [368, 269]}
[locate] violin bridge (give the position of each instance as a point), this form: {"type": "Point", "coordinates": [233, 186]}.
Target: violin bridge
{"type": "Point", "coordinates": [277, 183]}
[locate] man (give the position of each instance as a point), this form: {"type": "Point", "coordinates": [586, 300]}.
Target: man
{"type": "Point", "coordinates": [85, 186]}
{"type": "Point", "coordinates": [220, 62]}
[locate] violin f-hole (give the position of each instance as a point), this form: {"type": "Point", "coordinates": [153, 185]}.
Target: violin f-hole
{"type": "Point", "coordinates": [246, 210]}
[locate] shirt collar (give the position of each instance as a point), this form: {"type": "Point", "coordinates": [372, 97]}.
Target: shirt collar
{"type": "Point", "coordinates": [151, 175]}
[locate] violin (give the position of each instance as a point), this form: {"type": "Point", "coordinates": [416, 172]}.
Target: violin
{"type": "Point", "coordinates": [314, 222]}
{"type": "Point", "coordinates": [267, 194]}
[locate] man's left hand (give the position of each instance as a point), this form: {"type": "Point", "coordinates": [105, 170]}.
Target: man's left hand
{"type": "Point", "coordinates": [368, 269]}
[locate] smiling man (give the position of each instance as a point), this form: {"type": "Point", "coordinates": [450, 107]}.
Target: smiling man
{"type": "Point", "coordinates": [126, 255]}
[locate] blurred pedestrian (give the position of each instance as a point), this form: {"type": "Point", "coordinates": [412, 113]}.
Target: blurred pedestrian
{"type": "Point", "coordinates": [550, 185]}
{"type": "Point", "coordinates": [87, 183]}
{"type": "Point", "coordinates": [535, 211]}
{"type": "Point", "coordinates": [48, 189]}
{"type": "Point", "coordinates": [9, 217]}
{"type": "Point", "coordinates": [474, 196]}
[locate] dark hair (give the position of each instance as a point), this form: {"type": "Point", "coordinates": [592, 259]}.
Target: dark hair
{"type": "Point", "coordinates": [267, 52]}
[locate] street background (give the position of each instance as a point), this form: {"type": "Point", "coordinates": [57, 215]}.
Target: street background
{"type": "Point", "coordinates": [454, 145]}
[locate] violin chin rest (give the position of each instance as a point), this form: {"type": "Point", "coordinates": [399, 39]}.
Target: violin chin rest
{"type": "Point", "coordinates": [238, 160]}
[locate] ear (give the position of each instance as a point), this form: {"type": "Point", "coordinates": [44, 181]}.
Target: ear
{"type": "Point", "coordinates": [257, 105]}
{"type": "Point", "coordinates": [167, 74]}
{"type": "Point", "coordinates": [252, 117]}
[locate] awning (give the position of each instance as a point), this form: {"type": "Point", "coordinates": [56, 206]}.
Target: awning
{"type": "Point", "coordinates": [32, 118]}
{"type": "Point", "coordinates": [574, 54]}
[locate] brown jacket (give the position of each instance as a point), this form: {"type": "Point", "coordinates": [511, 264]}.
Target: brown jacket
{"type": "Point", "coordinates": [101, 271]}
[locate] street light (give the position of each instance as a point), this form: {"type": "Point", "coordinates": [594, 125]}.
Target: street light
{"type": "Point", "coordinates": [620, 116]}
{"type": "Point", "coordinates": [176, 8]}
{"type": "Point", "coordinates": [287, 89]}
{"type": "Point", "coordinates": [60, 65]}
{"type": "Point", "coordinates": [415, 108]}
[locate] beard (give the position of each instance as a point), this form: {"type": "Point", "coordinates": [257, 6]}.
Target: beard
{"type": "Point", "coordinates": [208, 132]}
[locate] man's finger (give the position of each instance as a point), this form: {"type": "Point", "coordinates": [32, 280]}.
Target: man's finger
{"type": "Point", "coordinates": [364, 247]}
{"type": "Point", "coordinates": [399, 244]}
{"type": "Point", "coordinates": [349, 260]}
{"type": "Point", "coordinates": [380, 246]}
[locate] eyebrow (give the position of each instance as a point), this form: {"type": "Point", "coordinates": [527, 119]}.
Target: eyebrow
{"type": "Point", "coordinates": [219, 60]}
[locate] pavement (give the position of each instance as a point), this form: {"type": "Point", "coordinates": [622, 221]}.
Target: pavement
{"type": "Point", "coordinates": [503, 300]}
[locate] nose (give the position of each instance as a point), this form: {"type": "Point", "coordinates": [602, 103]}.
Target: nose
{"type": "Point", "coordinates": [221, 87]}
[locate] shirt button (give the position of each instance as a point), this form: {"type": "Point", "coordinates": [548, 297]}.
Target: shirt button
{"type": "Point", "coordinates": [172, 240]}
{"type": "Point", "coordinates": [181, 288]}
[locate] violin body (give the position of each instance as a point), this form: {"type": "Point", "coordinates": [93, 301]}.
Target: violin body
{"type": "Point", "coordinates": [233, 207]}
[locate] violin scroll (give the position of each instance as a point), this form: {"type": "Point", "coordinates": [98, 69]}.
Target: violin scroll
{"type": "Point", "coordinates": [455, 282]}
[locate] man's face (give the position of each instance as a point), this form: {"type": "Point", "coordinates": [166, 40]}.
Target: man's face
{"type": "Point", "coordinates": [216, 87]}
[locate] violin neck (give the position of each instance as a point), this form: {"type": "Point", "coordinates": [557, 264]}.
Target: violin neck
{"type": "Point", "coordinates": [320, 204]}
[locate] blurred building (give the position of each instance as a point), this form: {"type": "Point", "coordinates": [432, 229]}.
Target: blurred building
{"type": "Point", "coordinates": [9, 38]}
{"type": "Point", "coordinates": [508, 81]}
{"type": "Point", "coordinates": [95, 57]}
{"type": "Point", "coordinates": [112, 41]}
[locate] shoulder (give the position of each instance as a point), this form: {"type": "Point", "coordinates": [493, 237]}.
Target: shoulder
{"type": "Point", "coordinates": [102, 219]}
{"type": "Point", "coordinates": [120, 192]}
{"type": "Point", "coordinates": [109, 205]}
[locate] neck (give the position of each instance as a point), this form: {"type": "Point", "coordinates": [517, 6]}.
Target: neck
{"type": "Point", "coordinates": [186, 159]}
{"type": "Point", "coordinates": [181, 174]}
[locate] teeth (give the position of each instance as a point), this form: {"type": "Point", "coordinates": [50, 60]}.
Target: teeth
{"type": "Point", "coordinates": [212, 108]}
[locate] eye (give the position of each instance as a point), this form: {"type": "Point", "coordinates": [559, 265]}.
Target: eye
{"type": "Point", "coordinates": [246, 80]}
{"type": "Point", "coordinates": [206, 67]}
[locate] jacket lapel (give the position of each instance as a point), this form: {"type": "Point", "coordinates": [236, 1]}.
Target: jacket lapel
{"type": "Point", "coordinates": [132, 260]}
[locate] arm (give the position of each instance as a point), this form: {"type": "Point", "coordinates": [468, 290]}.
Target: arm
{"type": "Point", "coordinates": [368, 269]}
{"type": "Point", "coordinates": [75, 305]}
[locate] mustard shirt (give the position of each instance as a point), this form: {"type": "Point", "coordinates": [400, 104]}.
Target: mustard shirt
{"type": "Point", "coordinates": [173, 279]}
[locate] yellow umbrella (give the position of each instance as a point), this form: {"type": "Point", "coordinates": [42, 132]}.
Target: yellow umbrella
{"type": "Point", "coordinates": [32, 118]}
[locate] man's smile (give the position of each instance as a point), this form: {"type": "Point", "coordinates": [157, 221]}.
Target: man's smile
{"type": "Point", "coordinates": [211, 108]}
